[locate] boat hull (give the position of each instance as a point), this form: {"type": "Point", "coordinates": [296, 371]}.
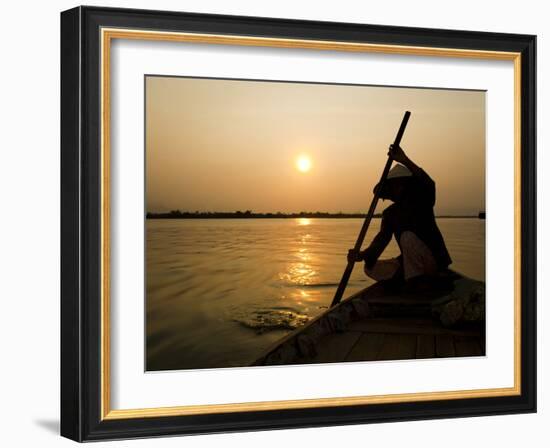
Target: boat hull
{"type": "Point", "coordinates": [375, 324]}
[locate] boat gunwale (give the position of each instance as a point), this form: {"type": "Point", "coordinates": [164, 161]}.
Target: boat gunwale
{"type": "Point", "coordinates": [294, 333]}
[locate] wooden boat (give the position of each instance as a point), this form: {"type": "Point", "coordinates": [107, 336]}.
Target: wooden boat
{"type": "Point", "coordinates": [375, 324]}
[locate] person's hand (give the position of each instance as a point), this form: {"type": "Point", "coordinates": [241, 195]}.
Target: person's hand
{"type": "Point", "coordinates": [397, 154]}
{"type": "Point", "coordinates": [354, 256]}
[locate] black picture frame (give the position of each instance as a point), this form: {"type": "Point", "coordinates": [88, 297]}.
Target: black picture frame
{"type": "Point", "coordinates": [81, 380]}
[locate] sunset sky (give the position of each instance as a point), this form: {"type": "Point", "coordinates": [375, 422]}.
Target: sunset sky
{"type": "Point", "coordinates": [224, 145]}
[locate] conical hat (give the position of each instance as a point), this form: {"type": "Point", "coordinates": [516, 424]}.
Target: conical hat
{"type": "Point", "coordinates": [399, 170]}
{"type": "Point", "coordinates": [396, 172]}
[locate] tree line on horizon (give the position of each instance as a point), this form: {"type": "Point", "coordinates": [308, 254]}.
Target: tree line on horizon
{"type": "Point", "coordinates": [178, 214]}
{"type": "Point", "coordinates": [248, 214]}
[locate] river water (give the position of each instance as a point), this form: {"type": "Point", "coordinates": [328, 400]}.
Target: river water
{"type": "Point", "coordinates": [220, 291]}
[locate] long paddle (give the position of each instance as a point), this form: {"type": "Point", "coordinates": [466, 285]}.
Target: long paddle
{"type": "Point", "coordinates": [349, 268]}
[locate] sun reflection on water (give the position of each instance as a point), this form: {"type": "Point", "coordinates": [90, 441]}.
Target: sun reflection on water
{"type": "Point", "coordinates": [299, 271]}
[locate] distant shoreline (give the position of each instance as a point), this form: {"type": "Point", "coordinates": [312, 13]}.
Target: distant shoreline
{"type": "Point", "coordinates": [251, 215]}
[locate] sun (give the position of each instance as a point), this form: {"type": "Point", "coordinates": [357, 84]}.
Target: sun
{"type": "Point", "coordinates": [303, 164]}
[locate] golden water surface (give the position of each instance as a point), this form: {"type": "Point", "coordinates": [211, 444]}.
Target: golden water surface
{"type": "Point", "coordinates": [220, 291]}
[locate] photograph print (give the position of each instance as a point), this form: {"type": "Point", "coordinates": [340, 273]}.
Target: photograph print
{"type": "Point", "coordinates": [305, 223]}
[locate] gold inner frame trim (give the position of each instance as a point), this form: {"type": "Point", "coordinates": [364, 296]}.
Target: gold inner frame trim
{"type": "Point", "coordinates": [107, 35]}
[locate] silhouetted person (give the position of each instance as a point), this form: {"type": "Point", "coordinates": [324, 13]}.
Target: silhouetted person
{"type": "Point", "coordinates": [410, 219]}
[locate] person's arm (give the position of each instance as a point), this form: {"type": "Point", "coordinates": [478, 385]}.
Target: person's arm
{"type": "Point", "coordinates": [397, 154]}
{"type": "Point", "coordinates": [376, 247]}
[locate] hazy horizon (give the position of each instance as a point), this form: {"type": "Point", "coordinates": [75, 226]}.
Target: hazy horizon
{"type": "Point", "coordinates": [228, 145]}
{"type": "Point", "coordinates": [292, 213]}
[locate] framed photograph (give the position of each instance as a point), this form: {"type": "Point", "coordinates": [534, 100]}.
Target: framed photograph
{"type": "Point", "coordinates": [273, 223]}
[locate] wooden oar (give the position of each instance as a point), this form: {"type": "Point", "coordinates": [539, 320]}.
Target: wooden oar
{"type": "Point", "coordinates": [349, 268]}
